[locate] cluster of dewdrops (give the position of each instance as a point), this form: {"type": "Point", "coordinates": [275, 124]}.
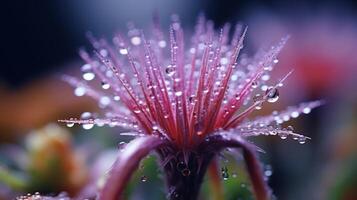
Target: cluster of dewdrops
{"type": "Point", "coordinates": [37, 196]}
{"type": "Point", "coordinates": [262, 91]}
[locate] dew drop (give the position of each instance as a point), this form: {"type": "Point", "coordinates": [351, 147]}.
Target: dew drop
{"type": "Point", "coordinates": [225, 174]}
{"type": "Point", "coordinates": [302, 140]}
{"type": "Point", "coordinates": [87, 126]}
{"type": "Point", "coordinates": [185, 172]}
{"type": "Point", "coordinates": [70, 124]}
{"type": "Point", "coordinates": [88, 76]}
{"type": "Point", "coordinates": [272, 94]}
{"type": "Point", "coordinates": [178, 93]}
{"type": "Point", "coordinates": [80, 91]}
{"type": "Point", "coordinates": [268, 171]}
{"type": "Point", "coordinates": [105, 85]}
{"type": "Point", "coordinates": [143, 178]}
{"type": "Point", "coordinates": [86, 115]}
{"type": "Point", "coordinates": [306, 110]}
{"type": "Point", "coordinates": [295, 114]}
{"type": "Point", "coordinates": [290, 128]}
{"type": "Point", "coordinates": [265, 77]}
{"type": "Point", "coordinates": [162, 43]}
{"type": "Point", "coordinates": [275, 61]}
{"type": "Point", "coordinates": [257, 98]}
{"type": "Point", "coordinates": [254, 84]}
{"type": "Point", "coordinates": [283, 135]}
{"type": "Point", "coordinates": [136, 40]}
{"type": "Point", "coordinates": [116, 98]}
{"type": "Point", "coordinates": [170, 70]}
{"type": "Point", "coordinates": [123, 51]}
{"type": "Point", "coordinates": [258, 106]}
{"type": "Point", "coordinates": [104, 101]}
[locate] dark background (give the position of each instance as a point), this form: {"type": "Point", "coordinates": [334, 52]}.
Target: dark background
{"type": "Point", "coordinates": [39, 36]}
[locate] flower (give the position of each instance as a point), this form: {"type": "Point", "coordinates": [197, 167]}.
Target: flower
{"type": "Point", "coordinates": [186, 104]}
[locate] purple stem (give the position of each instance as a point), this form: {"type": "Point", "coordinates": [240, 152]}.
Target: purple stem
{"type": "Point", "coordinates": [229, 140]}
{"type": "Point", "coordinates": [126, 163]}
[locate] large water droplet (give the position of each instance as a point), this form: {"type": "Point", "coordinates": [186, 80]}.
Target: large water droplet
{"type": "Point", "coordinates": [272, 95]}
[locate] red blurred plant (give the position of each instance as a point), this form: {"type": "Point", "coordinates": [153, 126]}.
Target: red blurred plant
{"type": "Point", "coordinates": [187, 106]}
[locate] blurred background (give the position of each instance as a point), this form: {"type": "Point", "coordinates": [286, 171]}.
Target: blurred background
{"type": "Point", "coordinates": [40, 41]}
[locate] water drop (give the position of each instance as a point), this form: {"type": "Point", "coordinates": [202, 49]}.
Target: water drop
{"type": "Point", "coordinates": [88, 76]}
{"type": "Point", "coordinates": [275, 61]}
{"type": "Point", "coordinates": [295, 114]}
{"type": "Point", "coordinates": [254, 84]}
{"type": "Point", "coordinates": [105, 85]}
{"type": "Point", "coordinates": [86, 115]}
{"type": "Point", "coordinates": [162, 43]}
{"type": "Point", "coordinates": [116, 98]}
{"type": "Point", "coordinates": [143, 178]}
{"type": "Point", "coordinates": [170, 70]}
{"type": "Point", "coordinates": [87, 126]}
{"type": "Point", "coordinates": [80, 91]}
{"type": "Point", "coordinates": [136, 40]}
{"type": "Point", "coordinates": [257, 98]}
{"type": "Point", "coordinates": [104, 101]}
{"type": "Point", "coordinates": [185, 172]}
{"type": "Point", "coordinates": [123, 51]}
{"type": "Point", "coordinates": [302, 140]}
{"type": "Point", "coordinates": [272, 95]}
{"type": "Point", "coordinates": [290, 128]}
{"type": "Point", "coordinates": [70, 124]}
{"type": "Point", "coordinates": [265, 77]}
{"type": "Point", "coordinates": [306, 110]}
{"type": "Point", "coordinates": [178, 93]}
{"type": "Point", "coordinates": [155, 128]}
{"type": "Point", "coordinates": [225, 174]}
{"type": "Point", "coordinates": [258, 106]}
{"type": "Point", "coordinates": [268, 171]}
{"type": "Point", "coordinates": [283, 135]}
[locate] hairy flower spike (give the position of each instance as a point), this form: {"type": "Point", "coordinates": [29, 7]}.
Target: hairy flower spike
{"type": "Point", "coordinates": [185, 103]}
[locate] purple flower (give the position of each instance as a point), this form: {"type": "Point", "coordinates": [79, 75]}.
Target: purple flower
{"type": "Point", "coordinates": [187, 104]}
